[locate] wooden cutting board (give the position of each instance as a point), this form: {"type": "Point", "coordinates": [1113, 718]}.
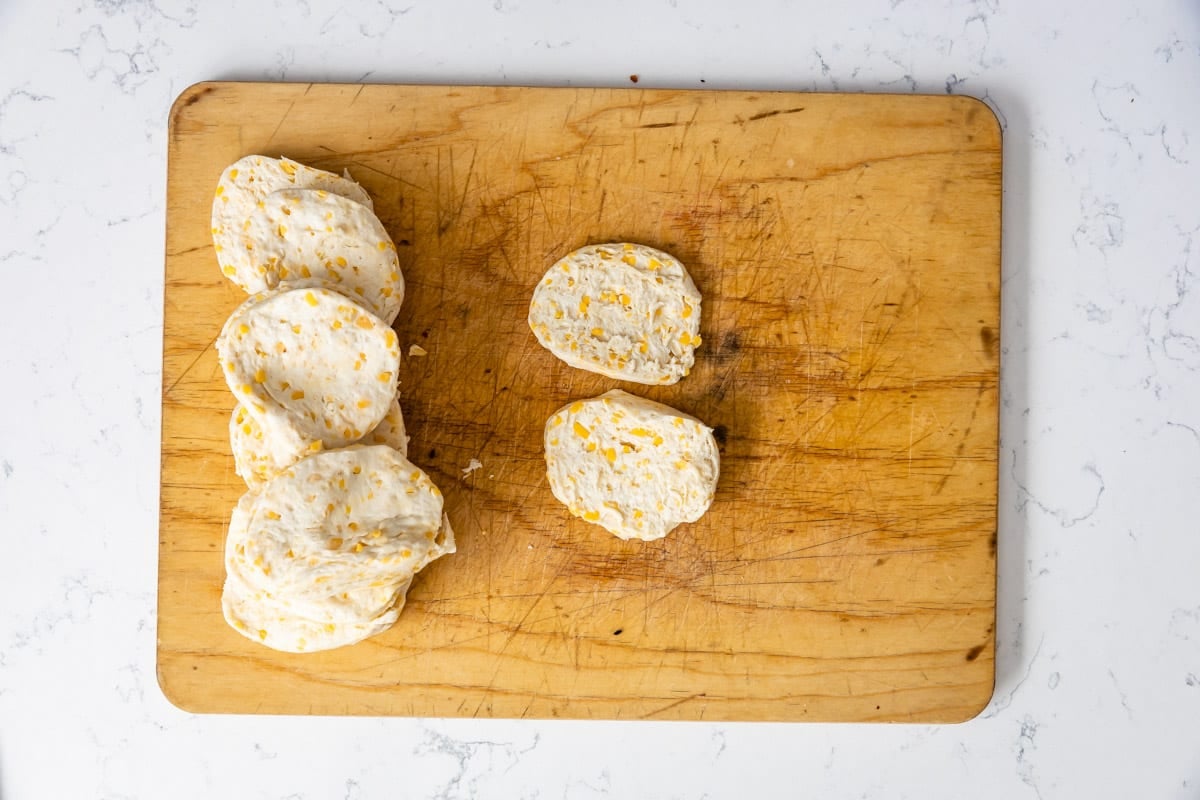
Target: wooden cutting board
{"type": "Point", "coordinates": [848, 251]}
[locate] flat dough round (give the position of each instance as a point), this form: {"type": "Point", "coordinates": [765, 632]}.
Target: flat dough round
{"type": "Point", "coordinates": [241, 188]}
{"type": "Point", "coordinates": [256, 460]}
{"type": "Point", "coordinates": [309, 364]}
{"type": "Point", "coordinates": [626, 311]}
{"type": "Point", "coordinates": [635, 467]}
{"type": "Point", "coordinates": [311, 233]}
{"type": "Point", "coordinates": [335, 540]}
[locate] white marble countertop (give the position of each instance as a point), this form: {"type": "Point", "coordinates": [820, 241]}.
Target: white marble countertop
{"type": "Point", "coordinates": [1098, 687]}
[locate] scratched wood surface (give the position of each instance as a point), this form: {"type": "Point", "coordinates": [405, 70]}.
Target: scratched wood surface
{"type": "Point", "coordinates": [847, 247]}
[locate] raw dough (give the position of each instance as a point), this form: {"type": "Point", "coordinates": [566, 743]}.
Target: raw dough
{"type": "Point", "coordinates": [626, 311]}
{"type": "Point", "coordinates": [635, 467]}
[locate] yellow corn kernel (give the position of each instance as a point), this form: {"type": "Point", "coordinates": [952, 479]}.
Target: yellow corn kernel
{"type": "Point", "coordinates": [581, 431]}
{"type": "Point", "coordinates": [584, 302]}
{"type": "Point", "coordinates": [364, 403]}
{"type": "Point", "coordinates": [316, 446]}
{"type": "Point", "coordinates": [282, 231]}
{"type": "Point", "coordinates": [341, 262]}
{"type": "Point", "coordinates": [637, 513]}
{"type": "Point", "coordinates": [243, 329]}
{"type": "Point", "coordinates": [352, 526]}
{"type": "Point", "coordinates": [262, 634]}
{"type": "Point", "coordinates": [298, 395]}
{"type": "Point", "coordinates": [597, 332]}
{"type": "Point", "coordinates": [260, 375]}
{"type": "Point", "coordinates": [304, 271]}
{"type": "Point", "coordinates": [576, 407]}
{"type": "Point", "coordinates": [358, 547]}
{"type": "Point", "coordinates": [337, 323]}
{"type": "Point", "coordinates": [610, 454]}
{"type": "Point", "coordinates": [558, 313]}
{"type": "Point", "coordinates": [406, 553]}
{"type": "Point", "coordinates": [591, 516]}
{"type": "Point", "coordinates": [687, 311]}
{"type": "Point", "coordinates": [641, 432]}
{"type": "Point", "coordinates": [364, 322]}
{"type": "Point", "coordinates": [658, 440]}
{"type": "Point", "coordinates": [335, 543]}
{"type": "Point", "coordinates": [296, 329]}
{"type": "Point", "coordinates": [310, 298]}
{"type": "Point", "coordinates": [245, 387]}
{"type": "Point", "coordinates": [624, 298]}
{"type": "Point", "coordinates": [591, 447]}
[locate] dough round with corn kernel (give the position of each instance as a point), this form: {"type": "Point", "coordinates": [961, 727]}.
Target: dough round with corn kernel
{"type": "Point", "coordinates": [261, 619]}
{"type": "Point", "coordinates": [312, 233]}
{"type": "Point", "coordinates": [626, 311]}
{"type": "Point", "coordinates": [635, 467]}
{"type": "Point", "coordinates": [309, 365]}
{"type": "Point", "coordinates": [245, 184]}
{"type": "Point", "coordinates": [333, 541]}
{"type": "Point", "coordinates": [256, 460]}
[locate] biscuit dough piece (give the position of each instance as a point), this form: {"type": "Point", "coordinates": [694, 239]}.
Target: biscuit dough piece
{"type": "Point", "coordinates": [255, 458]}
{"type": "Point", "coordinates": [311, 233]}
{"type": "Point", "coordinates": [635, 467]}
{"type": "Point", "coordinates": [324, 553]}
{"type": "Point", "coordinates": [242, 186]}
{"type": "Point", "coordinates": [311, 367]}
{"type": "Point", "coordinates": [626, 311]}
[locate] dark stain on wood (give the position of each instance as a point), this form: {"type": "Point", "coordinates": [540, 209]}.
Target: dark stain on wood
{"type": "Point", "coordinates": [765, 114]}
{"type": "Point", "coordinates": [721, 434]}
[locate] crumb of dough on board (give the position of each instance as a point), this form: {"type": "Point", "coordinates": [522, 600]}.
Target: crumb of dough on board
{"type": "Point", "coordinates": [416, 350]}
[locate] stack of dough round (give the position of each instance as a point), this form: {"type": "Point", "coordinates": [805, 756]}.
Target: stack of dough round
{"type": "Point", "coordinates": [635, 467]}
{"type": "Point", "coordinates": [257, 463]}
{"type": "Point", "coordinates": [626, 311]}
{"type": "Point", "coordinates": [322, 556]}
{"type": "Point", "coordinates": [324, 546]}
{"type": "Point", "coordinates": [294, 234]}
{"type": "Point", "coordinates": [242, 191]}
{"type": "Point", "coordinates": [311, 367]}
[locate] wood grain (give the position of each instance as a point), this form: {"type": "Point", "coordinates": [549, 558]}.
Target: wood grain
{"type": "Point", "coordinates": [847, 248]}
